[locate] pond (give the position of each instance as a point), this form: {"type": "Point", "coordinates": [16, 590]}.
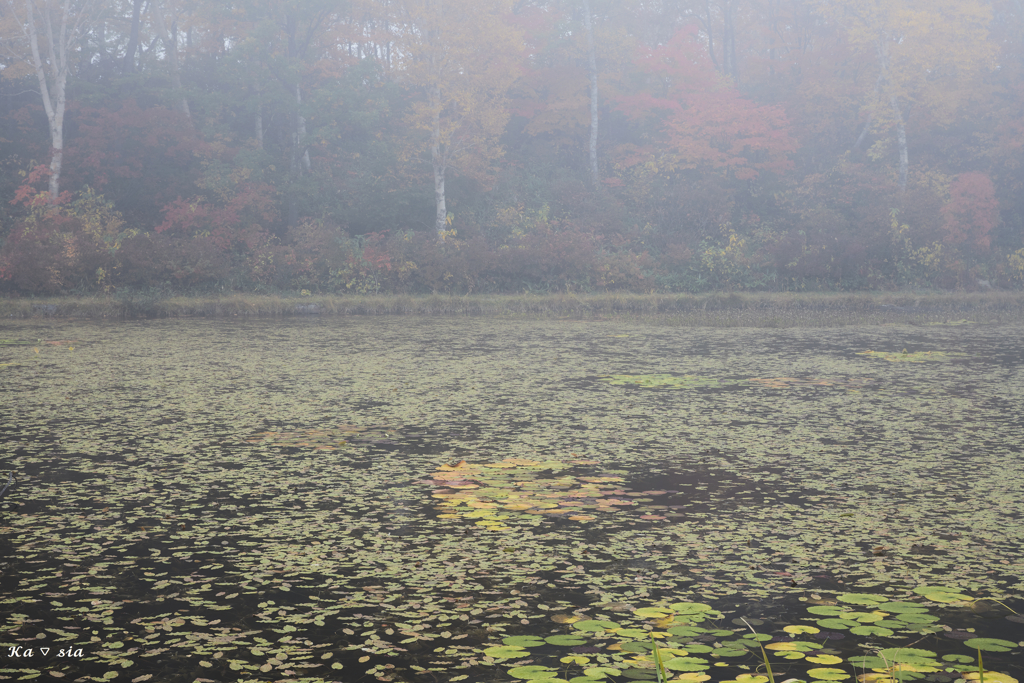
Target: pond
{"type": "Point", "coordinates": [415, 499]}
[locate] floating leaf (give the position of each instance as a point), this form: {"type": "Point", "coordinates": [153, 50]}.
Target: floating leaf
{"type": "Point", "coordinates": [522, 641]}
{"type": "Point", "coordinates": [991, 676]}
{"type": "Point", "coordinates": [595, 625]}
{"type": "Point", "coordinates": [687, 664]}
{"type": "Point", "coordinates": [532, 673]}
{"type": "Point", "coordinates": [990, 644]}
{"type": "Point", "coordinates": [827, 674]}
{"type": "Point", "coordinates": [871, 630]}
{"type": "Point", "coordinates": [907, 655]}
{"type": "Point", "coordinates": [690, 608]}
{"type": "Point", "coordinates": [565, 640]}
{"type": "Point", "coordinates": [861, 598]}
{"type": "Point", "coordinates": [505, 652]}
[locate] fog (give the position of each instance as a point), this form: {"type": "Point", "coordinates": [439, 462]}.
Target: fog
{"type": "Point", "coordinates": [412, 146]}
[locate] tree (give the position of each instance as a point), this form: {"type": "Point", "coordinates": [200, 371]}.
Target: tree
{"type": "Point", "coordinates": [461, 57]}
{"type": "Point", "coordinates": [700, 120]}
{"type": "Point", "coordinates": [45, 34]}
{"type": "Point", "coordinates": [595, 176]}
{"type": "Point", "coordinates": [927, 53]}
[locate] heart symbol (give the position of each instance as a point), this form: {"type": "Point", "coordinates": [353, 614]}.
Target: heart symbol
{"type": "Point", "coordinates": [45, 650]}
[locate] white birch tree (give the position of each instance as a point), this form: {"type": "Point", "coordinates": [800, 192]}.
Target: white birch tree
{"type": "Point", "coordinates": [45, 35]}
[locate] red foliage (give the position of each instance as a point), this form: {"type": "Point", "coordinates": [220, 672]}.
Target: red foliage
{"type": "Point", "coordinates": [250, 203]}
{"type": "Point", "coordinates": [705, 121]}
{"type": "Point", "coordinates": [972, 211]}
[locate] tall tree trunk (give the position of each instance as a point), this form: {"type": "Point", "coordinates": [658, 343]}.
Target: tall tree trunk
{"type": "Point", "coordinates": [439, 162]}
{"type": "Point", "coordinates": [708, 26]}
{"type": "Point", "coordinates": [595, 176]}
{"type": "Point", "coordinates": [729, 41]}
{"type": "Point", "coordinates": [54, 97]}
{"type": "Point", "coordinates": [300, 154]}
{"type": "Point", "coordinates": [170, 41]}
{"type": "Point", "coordinates": [133, 40]}
{"type": "Point", "coordinates": [901, 132]}
{"type": "Point", "coordinates": [258, 123]}
{"type": "Point", "coordinates": [901, 139]}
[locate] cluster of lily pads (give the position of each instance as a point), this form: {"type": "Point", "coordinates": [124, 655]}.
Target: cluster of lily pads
{"type": "Point", "coordinates": [183, 516]}
{"type": "Point", "coordinates": [491, 493]}
{"type": "Point", "coordinates": [343, 436]}
{"type": "Point", "coordinates": [688, 640]}
{"type": "Point", "coordinates": [912, 357]}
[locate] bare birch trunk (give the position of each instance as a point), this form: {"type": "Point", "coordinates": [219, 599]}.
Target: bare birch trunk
{"type": "Point", "coordinates": [300, 156]}
{"type": "Point", "coordinates": [438, 161]}
{"type": "Point", "coordinates": [258, 123]}
{"type": "Point", "coordinates": [54, 98]}
{"type": "Point", "coordinates": [595, 177]}
{"type": "Point", "coordinates": [901, 139]}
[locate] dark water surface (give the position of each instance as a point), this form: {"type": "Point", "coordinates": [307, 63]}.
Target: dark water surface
{"type": "Point", "coordinates": [408, 499]}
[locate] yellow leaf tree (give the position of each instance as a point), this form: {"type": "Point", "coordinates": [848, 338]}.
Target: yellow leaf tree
{"type": "Point", "coordinates": [926, 53]}
{"type": "Point", "coordinates": [460, 57]}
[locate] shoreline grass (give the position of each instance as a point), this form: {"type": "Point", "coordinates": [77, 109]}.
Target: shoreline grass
{"type": "Point", "coordinates": [755, 309]}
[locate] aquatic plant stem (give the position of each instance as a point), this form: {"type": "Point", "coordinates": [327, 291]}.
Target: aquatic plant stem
{"type": "Point", "coordinates": [662, 674]}
{"type": "Point", "coordinates": [981, 668]}
{"type": "Point", "coordinates": [767, 664]}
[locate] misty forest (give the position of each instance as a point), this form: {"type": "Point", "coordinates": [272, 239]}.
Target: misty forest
{"type": "Point", "coordinates": [475, 146]}
{"type": "Point", "coordinates": [763, 426]}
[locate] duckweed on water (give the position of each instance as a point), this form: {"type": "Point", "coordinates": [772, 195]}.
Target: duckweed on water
{"type": "Point", "coordinates": [434, 500]}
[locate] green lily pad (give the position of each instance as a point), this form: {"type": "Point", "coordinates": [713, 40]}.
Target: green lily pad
{"type": "Point", "coordinates": [505, 652]}
{"type": "Point", "coordinates": [728, 651]}
{"type": "Point", "coordinates": [687, 631]}
{"type": "Point", "coordinates": [690, 607]}
{"type": "Point", "coordinates": [565, 640]}
{"type": "Point", "coordinates": [861, 598]}
{"type": "Point", "coordinates": [661, 380]}
{"type": "Point", "coordinates": [826, 610]}
{"type": "Point", "coordinates": [632, 633]}
{"type": "Point", "coordinates": [838, 624]}
{"type": "Point", "coordinates": [698, 648]}
{"type": "Point", "coordinates": [941, 594]}
{"type": "Point", "coordinates": [652, 612]}
{"type": "Point", "coordinates": [907, 655]}
{"type": "Point", "coordinates": [532, 673]}
{"type": "Point", "coordinates": [866, 662]}
{"type": "Point", "coordinates": [904, 608]}
{"type": "Point", "coordinates": [601, 671]}
{"type": "Point", "coordinates": [523, 641]}
{"type": "Point", "coordinates": [990, 644]}
{"type": "Point", "coordinates": [594, 625]}
{"type": "Point", "coordinates": [687, 664]}
{"type": "Point", "coordinates": [871, 630]}
{"type": "Point", "coordinates": [960, 659]}
{"type": "Point", "coordinates": [828, 674]}
{"type": "Point", "coordinates": [916, 618]}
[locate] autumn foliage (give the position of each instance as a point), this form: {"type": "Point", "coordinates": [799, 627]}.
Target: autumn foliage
{"type": "Point", "coordinates": [415, 146]}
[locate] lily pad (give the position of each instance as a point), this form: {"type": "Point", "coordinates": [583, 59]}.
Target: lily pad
{"type": "Point", "coordinates": [861, 598]}
{"type": "Point", "coordinates": [565, 640]}
{"type": "Point", "coordinates": [533, 673]}
{"type": "Point", "coordinates": [523, 641]}
{"type": "Point", "coordinates": [594, 625]}
{"type": "Point", "coordinates": [990, 644]}
{"type": "Point", "coordinates": [505, 652]}
{"type": "Point", "coordinates": [687, 664]}
{"type": "Point", "coordinates": [661, 380]}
